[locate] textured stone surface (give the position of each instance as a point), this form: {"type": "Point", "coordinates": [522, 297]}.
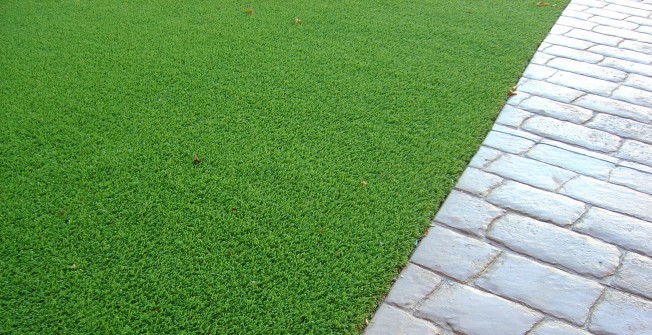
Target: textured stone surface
{"type": "Point", "coordinates": [556, 328]}
{"type": "Point", "coordinates": [556, 245]}
{"type": "Point", "coordinates": [641, 47]}
{"type": "Point", "coordinates": [572, 133]}
{"type": "Point", "coordinates": [622, 127]}
{"type": "Point", "coordinates": [467, 213]}
{"type": "Point", "coordinates": [453, 254]}
{"type": "Point", "coordinates": [591, 70]}
{"type": "Point", "coordinates": [606, 13]}
{"type": "Point", "coordinates": [536, 203]}
{"type": "Point", "coordinates": [622, 230]}
{"type": "Point", "coordinates": [609, 196]}
{"type": "Point", "coordinates": [391, 320]}
{"type": "Point", "coordinates": [615, 107]}
{"type": "Point", "coordinates": [542, 287]}
{"type": "Point", "coordinates": [550, 91]}
{"type": "Point", "coordinates": [583, 83]}
{"type": "Point", "coordinates": [469, 311]}
{"type": "Point", "coordinates": [530, 172]}
{"type": "Point", "coordinates": [638, 180]}
{"type": "Point", "coordinates": [512, 116]}
{"type": "Point", "coordinates": [477, 181]}
{"type": "Point", "coordinates": [624, 33]}
{"type": "Point", "coordinates": [640, 82]}
{"type": "Point", "coordinates": [636, 151]}
{"type": "Point", "coordinates": [621, 53]}
{"type": "Point", "coordinates": [622, 314]}
{"type": "Point", "coordinates": [628, 66]}
{"type": "Point", "coordinates": [568, 42]}
{"type": "Point", "coordinates": [590, 36]}
{"type": "Point", "coordinates": [635, 275]}
{"type": "Point", "coordinates": [571, 160]}
{"type": "Point", "coordinates": [486, 155]}
{"type": "Point", "coordinates": [558, 110]}
{"type": "Point", "coordinates": [413, 284]}
{"type": "Point", "coordinates": [508, 143]}
{"type": "Point", "coordinates": [535, 71]}
{"type": "Point", "coordinates": [634, 95]}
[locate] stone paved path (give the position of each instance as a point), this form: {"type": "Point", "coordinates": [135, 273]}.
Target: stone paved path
{"type": "Point", "coordinates": [549, 229]}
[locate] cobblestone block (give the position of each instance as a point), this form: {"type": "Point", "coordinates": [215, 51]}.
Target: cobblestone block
{"type": "Point", "coordinates": [575, 23]}
{"type": "Point", "coordinates": [559, 30]}
{"type": "Point", "coordinates": [640, 82]}
{"type": "Point", "coordinates": [391, 320]}
{"type": "Point", "coordinates": [576, 7]}
{"type": "Point", "coordinates": [534, 71]}
{"type": "Point", "coordinates": [568, 42]}
{"type": "Point", "coordinates": [645, 30]}
{"type": "Point", "coordinates": [621, 53]}
{"type": "Point", "coordinates": [626, 10]}
{"type": "Point", "coordinates": [571, 160]}
{"type": "Point", "coordinates": [601, 20]}
{"type": "Point", "coordinates": [638, 180]}
{"type": "Point", "coordinates": [591, 3]}
{"type": "Point", "coordinates": [453, 254]}
{"type": "Point", "coordinates": [537, 203]}
{"type": "Point", "coordinates": [467, 213]}
{"type": "Point", "coordinates": [634, 95]}
{"type": "Point", "coordinates": [641, 47]}
{"type": "Point", "coordinates": [636, 151]}
{"type": "Point", "coordinates": [550, 91]}
{"type": "Point", "coordinates": [640, 20]}
{"type": "Point", "coordinates": [621, 230]}
{"type": "Point", "coordinates": [545, 288]}
{"type": "Point", "coordinates": [624, 33]}
{"type": "Point", "coordinates": [615, 107]}
{"type": "Point", "coordinates": [636, 166]}
{"type": "Point", "coordinates": [572, 133]}
{"type": "Point", "coordinates": [555, 245]}
{"type": "Point", "coordinates": [634, 4]}
{"type": "Point", "coordinates": [550, 327]}
{"type": "Point", "coordinates": [541, 58]}
{"type": "Point", "coordinates": [590, 70]}
{"type": "Point", "coordinates": [622, 127]}
{"type": "Point", "coordinates": [484, 156]}
{"type": "Point", "coordinates": [635, 275]}
{"type": "Point", "coordinates": [558, 110]}
{"type": "Point", "coordinates": [577, 14]}
{"type": "Point", "coordinates": [591, 37]}
{"type": "Point", "coordinates": [530, 172]}
{"type": "Point", "coordinates": [512, 116]}
{"type": "Point", "coordinates": [516, 132]}
{"type": "Point", "coordinates": [473, 312]}
{"type": "Point", "coordinates": [606, 13]}
{"type": "Point", "coordinates": [478, 182]}
{"type": "Point", "coordinates": [622, 314]}
{"type": "Point", "coordinates": [627, 66]}
{"type": "Point", "coordinates": [413, 284]}
{"type": "Point", "coordinates": [515, 100]}
{"type": "Point", "coordinates": [581, 55]}
{"type": "Point", "coordinates": [583, 83]}
{"type": "Point", "coordinates": [508, 143]}
{"type": "Point", "coordinates": [609, 196]}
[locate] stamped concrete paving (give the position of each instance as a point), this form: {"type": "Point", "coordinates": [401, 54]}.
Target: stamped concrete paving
{"type": "Point", "coordinates": [549, 229]}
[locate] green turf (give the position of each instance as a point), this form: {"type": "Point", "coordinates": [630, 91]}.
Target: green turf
{"type": "Point", "coordinates": [107, 227]}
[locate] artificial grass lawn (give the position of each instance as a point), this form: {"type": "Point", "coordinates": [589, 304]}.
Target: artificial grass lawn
{"type": "Point", "coordinates": [107, 226]}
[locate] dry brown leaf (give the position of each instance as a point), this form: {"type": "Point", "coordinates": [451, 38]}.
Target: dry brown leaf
{"type": "Point", "coordinates": [297, 20]}
{"type": "Point", "coordinates": [196, 160]}
{"type": "Point", "coordinates": [541, 3]}
{"type": "Point", "coordinates": [72, 266]}
{"type": "Point", "coordinates": [249, 11]}
{"type": "Point", "coordinates": [363, 183]}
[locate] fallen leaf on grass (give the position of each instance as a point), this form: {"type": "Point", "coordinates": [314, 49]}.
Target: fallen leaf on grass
{"type": "Point", "coordinates": [363, 183]}
{"type": "Point", "coordinates": [196, 160]}
{"type": "Point", "coordinates": [297, 20]}
{"type": "Point", "coordinates": [512, 91]}
{"type": "Point", "coordinates": [541, 3]}
{"type": "Point", "coordinates": [249, 11]}
{"type": "Point", "coordinates": [72, 266]}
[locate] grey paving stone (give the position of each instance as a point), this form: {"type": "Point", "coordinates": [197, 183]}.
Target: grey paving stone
{"type": "Point", "coordinates": [572, 133]}
{"type": "Point", "coordinates": [622, 127]}
{"type": "Point", "coordinates": [639, 20]}
{"type": "Point", "coordinates": [621, 230]}
{"type": "Point", "coordinates": [516, 132]}
{"type": "Point", "coordinates": [472, 312]}
{"type": "Point", "coordinates": [508, 143]}
{"type": "Point", "coordinates": [635, 275]}
{"type": "Point", "coordinates": [607, 13]}
{"type": "Point", "coordinates": [478, 182]}
{"type": "Point", "coordinates": [583, 83]}
{"type": "Point", "coordinates": [634, 4]}
{"type": "Point", "coordinates": [453, 254]}
{"type": "Point", "coordinates": [638, 180]}
{"type": "Point", "coordinates": [641, 47]}
{"type": "Point", "coordinates": [582, 151]}
{"type": "Point", "coordinates": [601, 20]}
{"type": "Point", "coordinates": [622, 314]}
{"type": "Point", "coordinates": [484, 156]}
{"type": "Point", "coordinates": [576, 7]}
{"type": "Point", "coordinates": [640, 82]}
{"type": "Point", "coordinates": [627, 66]}
{"type": "Point", "coordinates": [634, 95]}
{"type": "Point", "coordinates": [624, 33]}
{"type": "Point", "coordinates": [636, 151]}
{"type": "Point", "coordinates": [595, 38]}
{"type": "Point", "coordinates": [615, 107]}
{"type": "Point", "coordinates": [467, 213]}
{"type": "Point", "coordinates": [576, 14]}
{"type": "Point", "coordinates": [620, 53]}
{"type": "Point", "coordinates": [390, 320]}
{"type": "Point", "coordinates": [530, 172]}
{"type": "Point", "coordinates": [572, 161]}
{"type": "Point", "coordinates": [591, 3]}
{"type": "Point", "coordinates": [545, 288]}
{"type": "Point", "coordinates": [541, 58]}
{"type": "Point", "coordinates": [515, 100]}
{"type": "Point", "coordinates": [580, 55]}
{"type": "Point", "coordinates": [559, 29]}
{"type": "Point", "coordinates": [537, 203]}
{"type": "Point", "coordinates": [558, 110]}
{"type": "Point", "coordinates": [576, 23]}
{"type": "Point", "coordinates": [550, 327]}
{"type": "Point", "coordinates": [550, 91]}
{"type": "Point", "coordinates": [569, 42]}
{"type": "Point", "coordinates": [413, 284]}
{"type": "Point", "coordinates": [512, 116]}
{"type": "Point", "coordinates": [626, 10]}
{"type": "Point", "coordinates": [535, 71]}
{"type": "Point", "coordinates": [555, 245]}
{"type": "Point", "coordinates": [590, 70]}
{"type": "Point", "coordinates": [636, 166]}
{"type": "Point", "coordinates": [609, 196]}
{"type": "Point", "coordinates": [645, 30]}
